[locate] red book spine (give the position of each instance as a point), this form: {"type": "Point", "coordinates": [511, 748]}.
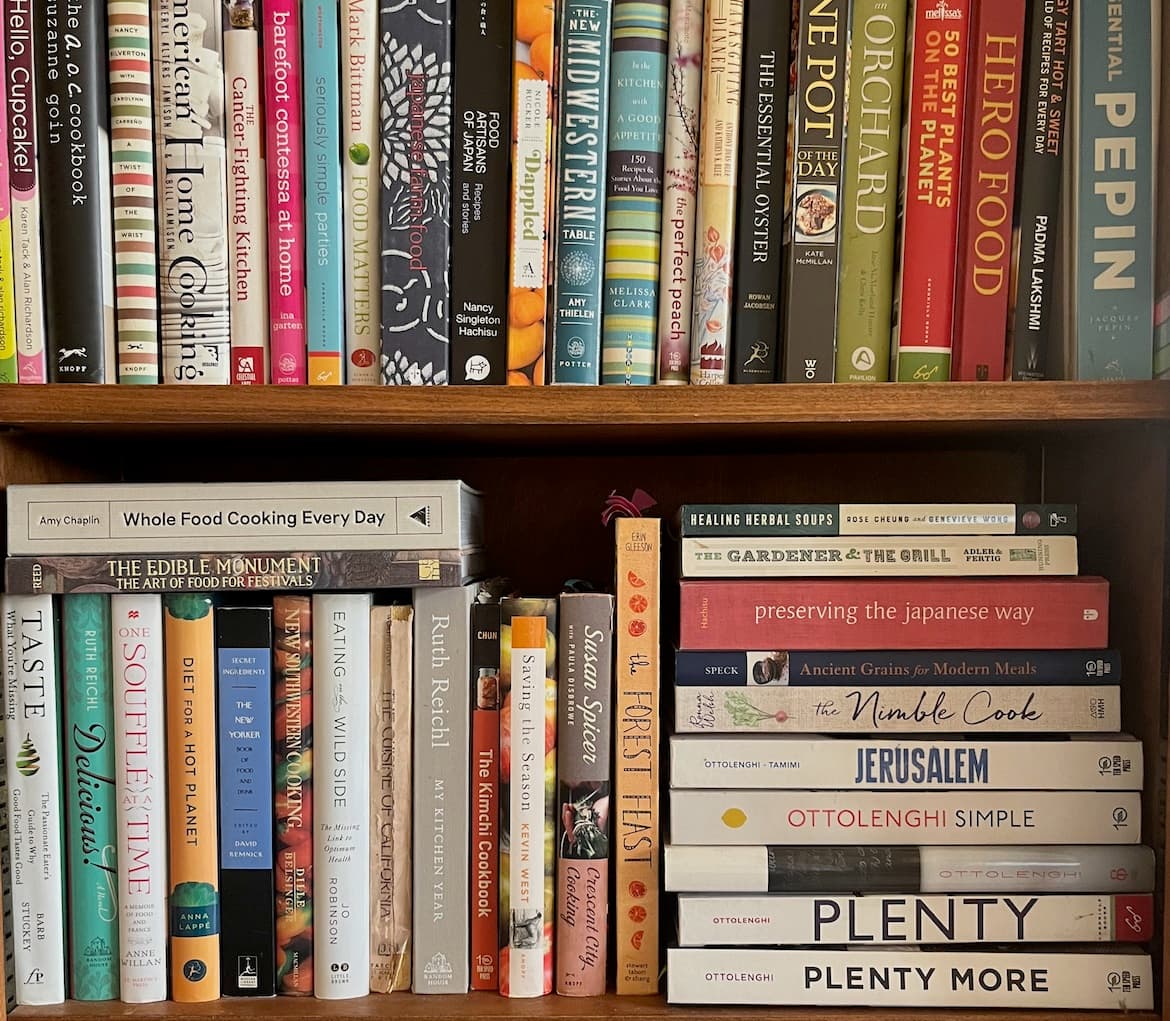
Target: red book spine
{"type": "Point", "coordinates": [989, 188]}
{"type": "Point", "coordinates": [1133, 917]}
{"type": "Point", "coordinates": [996, 613]}
{"type": "Point", "coordinates": [485, 797]}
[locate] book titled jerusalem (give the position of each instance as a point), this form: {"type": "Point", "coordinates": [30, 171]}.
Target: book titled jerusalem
{"type": "Point", "coordinates": [581, 148]}
{"type": "Point", "coordinates": [485, 795]}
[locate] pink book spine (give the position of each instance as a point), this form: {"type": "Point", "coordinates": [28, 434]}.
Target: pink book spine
{"type": "Point", "coordinates": [286, 192]}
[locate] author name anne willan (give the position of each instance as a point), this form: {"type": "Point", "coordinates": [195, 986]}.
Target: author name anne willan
{"type": "Point", "coordinates": [899, 977]}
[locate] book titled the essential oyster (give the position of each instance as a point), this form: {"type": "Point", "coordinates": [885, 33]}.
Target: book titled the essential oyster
{"type": "Point", "coordinates": [1110, 980]}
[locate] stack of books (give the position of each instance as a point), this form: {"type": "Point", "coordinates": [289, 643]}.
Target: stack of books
{"type": "Point", "coordinates": [923, 819]}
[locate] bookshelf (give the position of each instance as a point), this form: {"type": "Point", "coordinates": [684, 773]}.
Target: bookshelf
{"type": "Point", "coordinates": [547, 458]}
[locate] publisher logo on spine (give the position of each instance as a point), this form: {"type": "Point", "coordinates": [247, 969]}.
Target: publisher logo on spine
{"type": "Point", "coordinates": [247, 972]}
{"type": "Point", "coordinates": [942, 12]}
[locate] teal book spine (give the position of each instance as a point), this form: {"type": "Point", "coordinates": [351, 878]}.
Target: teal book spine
{"type": "Point", "coordinates": [1114, 294]}
{"type": "Point", "coordinates": [633, 216]}
{"type": "Point", "coordinates": [91, 816]}
{"type": "Point", "coordinates": [582, 143]}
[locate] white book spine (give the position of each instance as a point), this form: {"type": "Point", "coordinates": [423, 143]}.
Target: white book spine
{"type": "Point", "coordinates": [894, 978]}
{"type": "Point", "coordinates": [341, 836]}
{"type": "Point", "coordinates": [783, 762]}
{"type": "Point", "coordinates": [139, 743]}
{"type": "Point", "coordinates": [31, 736]}
{"type": "Point", "coordinates": [895, 817]}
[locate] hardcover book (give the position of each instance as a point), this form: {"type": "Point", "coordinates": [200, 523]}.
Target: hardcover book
{"type": "Point", "coordinates": [8, 972]}
{"type": "Point", "coordinates": [485, 795]}
{"type": "Point", "coordinates": [9, 372]}
{"type": "Point", "coordinates": [1162, 242]}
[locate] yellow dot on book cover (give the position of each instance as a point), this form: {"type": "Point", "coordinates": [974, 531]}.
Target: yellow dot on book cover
{"type": "Point", "coordinates": [428, 570]}
{"type": "Point", "coordinates": [734, 818]}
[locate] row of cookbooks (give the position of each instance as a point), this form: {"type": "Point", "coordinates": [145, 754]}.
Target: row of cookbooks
{"type": "Point", "coordinates": [951, 818]}
{"type": "Point", "coordinates": [580, 191]}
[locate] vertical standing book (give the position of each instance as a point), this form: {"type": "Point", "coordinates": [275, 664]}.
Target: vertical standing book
{"type": "Point", "coordinates": [9, 372]}
{"type": "Point", "coordinates": [485, 795]}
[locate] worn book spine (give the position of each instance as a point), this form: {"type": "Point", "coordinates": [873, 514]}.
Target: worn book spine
{"type": "Point", "coordinates": [132, 166]}
{"type": "Point", "coordinates": [485, 796]}
{"type": "Point", "coordinates": [9, 372]}
{"type": "Point", "coordinates": [637, 722]}
{"type": "Point", "coordinates": [581, 148]}
{"type": "Point", "coordinates": [718, 177]}
{"type": "Point", "coordinates": [1162, 228]}
{"type": "Point", "coordinates": [192, 798]}
{"type": "Point", "coordinates": [91, 801]}
{"type": "Point", "coordinates": [869, 190]}
{"type": "Point", "coordinates": [392, 668]}
{"type": "Point", "coordinates": [243, 638]}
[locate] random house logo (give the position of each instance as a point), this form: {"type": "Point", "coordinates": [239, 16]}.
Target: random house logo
{"type": "Point", "coordinates": [438, 970]}
{"type": "Point", "coordinates": [28, 759]}
{"type": "Point", "coordinates": [942, 12]}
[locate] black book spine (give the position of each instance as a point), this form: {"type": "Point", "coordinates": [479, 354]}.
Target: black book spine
{"type": "Point", "coordinates": [763, 118]}
{"type": "Point", "coordinates": [1043, 115]}
{"type": "Point", "coordinates": [73, 135]}
{"type": "Point", "coordinates": [830, 869]}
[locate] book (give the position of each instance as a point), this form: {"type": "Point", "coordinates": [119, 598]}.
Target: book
{"type": "Point", "coordinates": [341, 825]}
{"type": "Point", "coordinates": [584, 791]}
{"type": "Point", "coordinates": [485, 795]}
{"type": "Point", "coordinates": [36, 827]}
{"type": "Point", "coordinates": [579, 202]}
{"type": "Point", "coordinates": [248, 224]}
{"type": "Point", "coordinates": [925, 709]}
{"type": "Point", "coordinates": [1120, 980]}
{"type": "Point", "coordinates": [9, 372]}
{"type": "Point", "coordinates": [987, 191]}
{"type": "Point", "coordinates": [680, 179]}
{"type": "Point", "coordinates": [8, 972]}
{"type": "Point", "coordinates": [934, 166]}
{"type": "Point", "coordinates": [633, 204]}
{"type": "Point", "coordinates": [132, 168]}
{"type": "Point", "coordinates": [292, 738]}
{"type": "Point", "coordinates": [718, 179]}
{"type": "Point", "coordinates": [823, 614]}
{"type": "Point", "coordinates": [480, 193]}
{"type": "Point", "coordinates": [1162, 227]}
{"type": "Point", "coordinates": [391, 665]}
{"type": "Point", "coordinates": [637, 722]}
{"type": "Point", "coordinates": [791, 762]}
{"type": "Point", "coordinates": [934, 817]}
{"type": "Point", "coordinates": [869, 190]}
{"type": "Point", "coordinates": [72, 48]}
{"type": "Point", "coordinates": [810, 277]}
{"type": "Point", "coordinates": [910, 869]}
{"type": "Point", "coordinates": [91, 801]}
{"type": "Point", "coordinates": [194, 903]}
{"type": "Point", "coordinates": [140, 775]}
{"type": "Point", "coordinates": [705, 920]}
{"type": "Point", "coordinates": [866, 556]}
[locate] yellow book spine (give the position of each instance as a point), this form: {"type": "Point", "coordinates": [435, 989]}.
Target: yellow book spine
{"type": "Point", "coordinates": [7, 299]}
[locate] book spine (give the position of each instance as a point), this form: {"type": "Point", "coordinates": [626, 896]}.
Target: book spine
{"type": "Point", "coordinates": [718, 174]}
{"type": "Point", "coordinates": [480, 184]}
{"type": "Point", "coordinates": [341, 827]}
{"type": "Point", "coordinates": [581, 148]}
{"type": "Point", "coordinates": [1114, 289]}
{"type": "Point", "coordinates": [77, 228]}
{"type": "Point", "coordinates": [873, 764]}
{"type": "Point", "coordinates": [533, 120]}
{"type": "Point", "coordinates": [946, 709]}
{"type": "Point", "coordinates": [8, 972]}
{"type": "Point", "coordinates": [359, 201]}
{"type": "Point", "coordinates": [811, 272]}
{"type": "Point", "coordinates": [248, 223]}
{"type": "Point", "coordinates": [192, 799]}
{"type": "Point", "coordinates": [637, 721]}
{"type": "Point", "coordinates": [9, 372]}
{"type": "Point", "coordinates": [132, 166]}
{"type": "Point", "coordinates": [22, 116]}
{"type": "Point", "coordinates": [91, 808]}
{"type": "Point", "coordinates": [191, 182]}
{"type": "Point", "coordinates": [869, 186]}
{"type": "Point", "coordinates": [934, 167]}
{"type": "Point", "coordinates": [140, 775]}
{"type": "Point", "coordinates": [877, 556]}
{"type": "Point", "coordinates": [325, 269]}
{"type": "Point", "coordinates": [823, 614]}
{"type": "Point", "coordinates": [680, 178]}
{"type": "Point", "coordinates": [485, 804]}
{"type": "Point", "coordinates": [633, 215]}
{"type": "Point", "coordinates": [392, 663]}
{"type": "Point", "coordinates": [246, 800]}
{"type": "Point", "coordinates": [34, 797]}
{"type": "Point", "coordinates": [584, 785]}
{"type": "Point", "coordinates": [1162, 227]}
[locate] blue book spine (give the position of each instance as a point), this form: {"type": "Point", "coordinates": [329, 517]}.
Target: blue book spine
{"type": "Point", "coordinates": [582, 143]}
{"type": "Point", "coordinates": [325, 262]}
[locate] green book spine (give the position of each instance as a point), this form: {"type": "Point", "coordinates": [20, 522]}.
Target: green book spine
{"type": "Point", "coordinates": [869, 227]}
{"type": "Point", "coordinates": [633, 219]}
{"type": "Point", "coordinates": [90, 801]}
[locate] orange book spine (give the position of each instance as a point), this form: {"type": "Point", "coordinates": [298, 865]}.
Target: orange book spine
{"type": "Point", "coordinates": [637, 849]}
{"type": "Point", "coordinates": [192, 798]}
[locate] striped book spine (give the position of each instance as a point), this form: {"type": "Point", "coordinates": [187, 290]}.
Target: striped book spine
{"type": "Point", "coordinates": [633, 219]}
{"type": "Point", "coordinates": [8, 364]}
{"type": "Point", "coordinates": [132, 164]}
